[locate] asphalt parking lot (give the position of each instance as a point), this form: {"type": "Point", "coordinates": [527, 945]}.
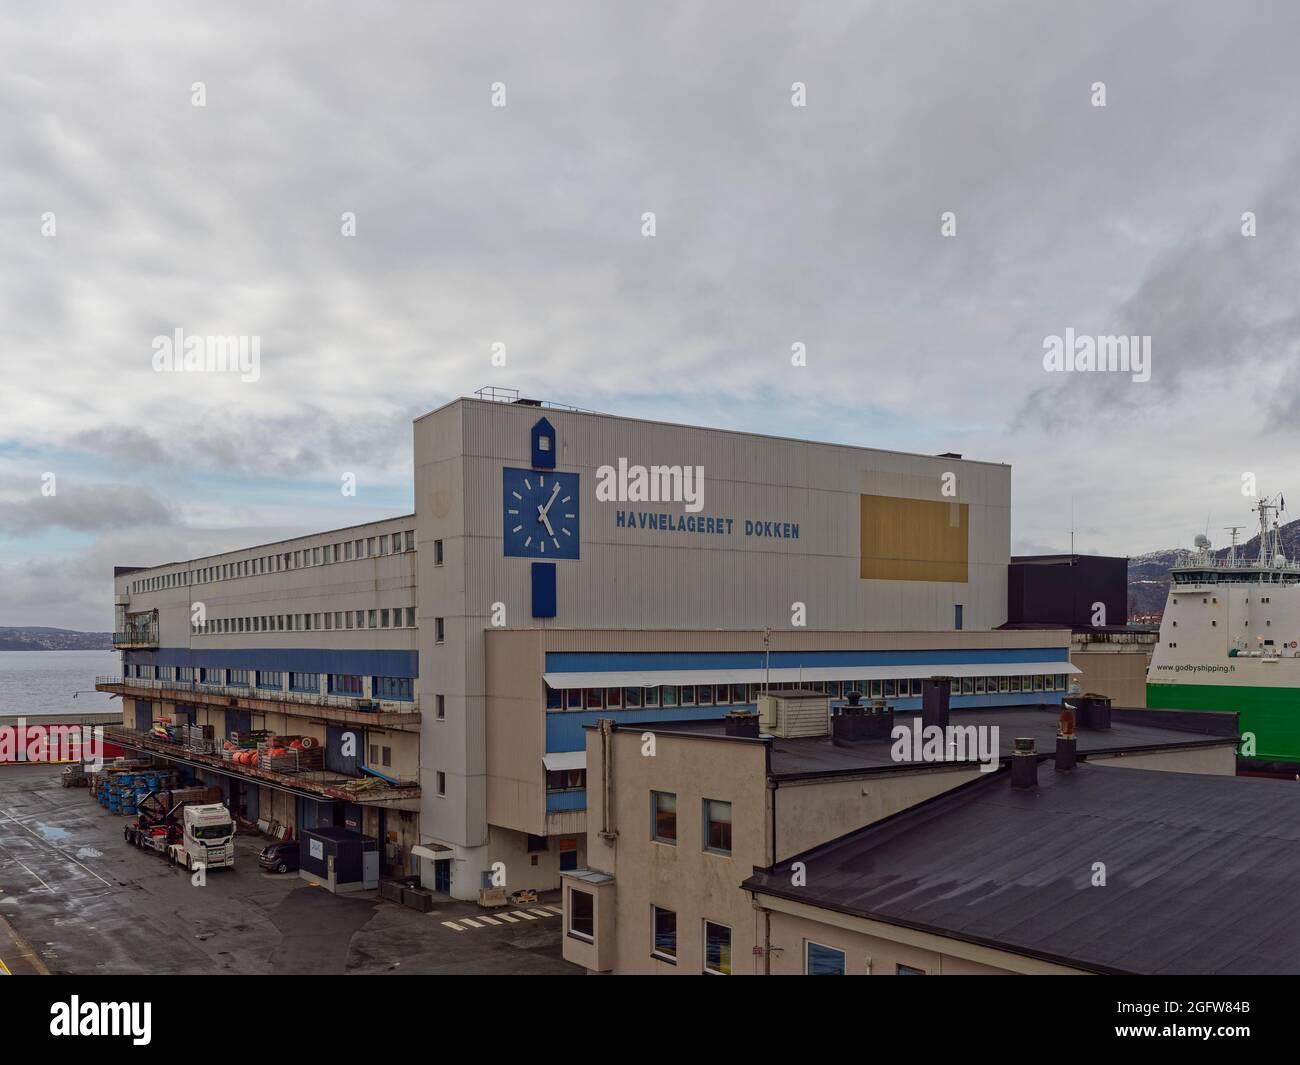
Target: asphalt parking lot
{"type": "Point", "coordinates": [76, 898]}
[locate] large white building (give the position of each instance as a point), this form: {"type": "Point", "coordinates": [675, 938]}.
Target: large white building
{"type": "Point", "coordinates": [545, 581]}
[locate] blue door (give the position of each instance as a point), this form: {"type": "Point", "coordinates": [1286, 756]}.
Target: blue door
{"type": "Point", "coordinates": [442, 877]}
{"type": "Point", "coordinates": [143, 715]}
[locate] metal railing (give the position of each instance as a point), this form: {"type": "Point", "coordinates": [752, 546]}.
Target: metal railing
{"type": "Point", "coordinates": [358, 703]}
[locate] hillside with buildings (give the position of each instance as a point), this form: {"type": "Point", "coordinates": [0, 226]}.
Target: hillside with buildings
{"type": "Point", "coordinates": [36, 638]}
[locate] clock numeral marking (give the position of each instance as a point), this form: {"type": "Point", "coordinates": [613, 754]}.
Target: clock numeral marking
{"type": "Point", "coordinates": [528, 484]}
{"type": "Point", "coordinates": [555, 542]}
{"type": "Point", "coordinates": [541, 481]}
{"type": "Point", "coordinates": [542, 545]}
{"type": "Point", "coordinates": [516, 528]}
{"type": "Point", "coordinates": [513, 511]}
{"type": "Point", "coordinates": [565, 500]}
{"type": "Point", "coordinates": [528, 541]}
{"type": "Point", "coordinates": [566, 533]}
{"type": "Point", "coordinates": [570, 515]}
{"type": "Point", "coordinates": [517, 495]}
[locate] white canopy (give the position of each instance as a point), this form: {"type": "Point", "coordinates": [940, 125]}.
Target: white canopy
{"type": "Point", "coordinates": [653, 678]}
{"type": "Point", "coordinates": [565, 760]}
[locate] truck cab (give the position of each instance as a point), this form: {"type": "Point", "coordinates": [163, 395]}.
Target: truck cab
{"type": "Point", "coordinates": [208, 836]}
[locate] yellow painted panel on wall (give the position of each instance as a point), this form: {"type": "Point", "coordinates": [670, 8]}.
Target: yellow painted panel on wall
{"type": "Point", "coordinates": [913, 540]}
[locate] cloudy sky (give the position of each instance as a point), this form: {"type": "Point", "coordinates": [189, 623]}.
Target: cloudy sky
{"type": "Point", "coordinates": [522, 225]}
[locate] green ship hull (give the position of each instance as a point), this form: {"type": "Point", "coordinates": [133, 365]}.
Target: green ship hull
{"type": "Point", "coordinates": [1272, 714]}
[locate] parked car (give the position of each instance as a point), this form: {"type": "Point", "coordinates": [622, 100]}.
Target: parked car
{"type": "Point", "coordinates": [279, 857]}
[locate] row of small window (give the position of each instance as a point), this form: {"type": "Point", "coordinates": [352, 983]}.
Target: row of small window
{"type": "Point", "coordinates": [384, 618]}
{"type": "Point", "coordinates": [671, 695]}
{"type": "Point", "coordinates": [663, 933]}
{"type": "Point", "coordinates": [369, 547]}
{"type": "Point", "coordinates": [397, 688]}
{"type": "Point", "coordinates": [715, 834]}
{"type": "Point", "coordinates": [821, 960]}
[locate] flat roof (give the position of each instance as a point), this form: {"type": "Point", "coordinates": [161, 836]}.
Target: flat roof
{"type": "Point", "coordinates": [1131, 730]}
{"type": "Point", "coordinates": [1200, 870]}
{"type": "Point", "coordinates": [119, 571]}
{"type": "Point", "coordinates": [542, 411]}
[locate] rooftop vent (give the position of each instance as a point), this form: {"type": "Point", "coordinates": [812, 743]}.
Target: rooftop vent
{"type": "Point", "coordinates": [1024, 763]}
{"type": "Point", "coordinates": [793, 712]}
{"type": "Point", "coordinates": [742, 723]}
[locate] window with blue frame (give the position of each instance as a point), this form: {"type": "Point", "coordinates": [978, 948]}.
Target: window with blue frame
{"type": "Point", "coordinates": [304, 682]}
{"type": "Point", "coordinates": [402, 688]}
{"type": "Point", "coordinates": [238, 678]}
{"type": "Point", "coordinates": [554, 698]}
{"type": "Point", "coordinates": [270, 679]}
{"type": "Point", "coordinates": [344, 684]}
{"type": "Point", "coordinates": [822, 961]}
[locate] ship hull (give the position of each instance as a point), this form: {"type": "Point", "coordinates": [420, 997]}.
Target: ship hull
{"type": "Point", "coordinates": [1270, 713]}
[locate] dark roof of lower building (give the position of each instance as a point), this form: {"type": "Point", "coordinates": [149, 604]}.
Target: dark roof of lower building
{"type": "Point", "coordinates": [1131, 730]}
{"type": "Point", "coordinates": [1200, 871]}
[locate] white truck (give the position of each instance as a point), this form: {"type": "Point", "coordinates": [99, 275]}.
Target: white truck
{"type": "Point", "coordinates": [190, 834]}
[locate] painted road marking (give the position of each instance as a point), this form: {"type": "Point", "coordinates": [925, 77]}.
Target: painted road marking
{"type": "Point", "coordinates": [472, 924]}
{"type": "Point", "coordinates": [507, 917]}
{"type": "Point", "coordinates": [556, 910]}
{"type": "Point", "coordinates": [542, 913]}
{"type": "Point", "coordinates": [489, 920]}
{"type": "Point", "coordinates": [525, 916]}
{"type": "Point", "coordinates": [453, 926]}
{"type": "Point", "coordinates": [42, 840]}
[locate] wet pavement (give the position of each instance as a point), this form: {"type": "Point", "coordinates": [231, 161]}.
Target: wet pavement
{"type": "Point", "coordinates": [76, 898]}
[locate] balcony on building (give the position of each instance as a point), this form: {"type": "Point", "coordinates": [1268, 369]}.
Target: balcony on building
{"type": "Point", "coordinates": [365, 786]}
{"type": "Point", "coordinates": [137, 631]}
{"type": "Point", "coordinates": [400, 715]}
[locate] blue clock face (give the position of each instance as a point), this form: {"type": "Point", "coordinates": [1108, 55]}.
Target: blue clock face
{"type": "Point", "coordinates": [539, 513]}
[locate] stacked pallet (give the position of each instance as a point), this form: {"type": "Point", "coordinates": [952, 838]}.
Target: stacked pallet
{"type": "Point", "coordinates": [292, 754]}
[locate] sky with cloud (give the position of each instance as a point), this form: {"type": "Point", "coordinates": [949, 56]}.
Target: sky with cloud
{"type": "Point", "coordinates": [522, 225]}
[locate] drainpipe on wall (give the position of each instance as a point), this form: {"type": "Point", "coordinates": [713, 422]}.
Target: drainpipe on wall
{"type": "Point", "coordinates": [606, 726]}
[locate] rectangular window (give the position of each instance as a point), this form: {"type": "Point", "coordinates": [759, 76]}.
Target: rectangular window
{"type": "Point", "coordinates": [440, 707]}
{"type": "Point", "coordinates": [968, 685]}
{"type": "Point", "coordinates": [1004, 684]}
{"type": "Point", "coordinates": [717, 949]}
{"type": "Point", "coordinates": [347, 551]}
{"type": "Point", "coordinates": [383, 618]}
{"type": "Point", "coordinates": [613, 698]}
{"type": "Point", "coordinates": [270, 679]}
{"type": "Point", "coordinates": [979, 685]}
{"type": "Point", "coordinates": [907, 970]}
{"type": "Point", "coordinates": [669, 692]}
{"type": "Point", "coordinates": [410, 540]}
{"type": "Point", "coordinates": [439, 630]}
{"type": "Point", "coordinates": [315, 556]}
{"type": "Point", "coordinates": [650, 697]}
{"type": "Point", "coordinates": [890, 689]}
{"type": "Point", "coordinates": [402, 688]}
{"type": "Point", "coordinates": [632, 698]}
{"type": "Point", "coordinates": [663, 817]}
{"type": "Point", "coordinates": [717, 826]}
{"type": "Point", "coordinates": [554, 697]}
{"type": "Point", "coordinates": [397, 543]}
{"type": "Point", "coordinates": [372, 546]}
{"type": "Point", "coordinates": [344, 684]}
{"type": "Point", "coordinates": [388, 756]}
{"type": "Point", "coordinates": [410, 617]}
{"type": "Point", "coordinates": [876, 692]}
{"type": "Point", "coordinates": [687, 694]}
{"type": "Point", "coordinates": [442, 782]}
{"type": "Point", "coordinates": [437, 552]}
{"type": "Point", "coordinates": [372, 618]}
{"type": "Point", "coordinates": [582, 915]}
{"type": "Point", "coordinates": [704, 695]}
{"type": "Point", "coordinates": [1015, 684]}
{"type": "Point", "coordinates": [822, 961]}
{"type": "Point", "coordinates": [238, 678]}
{"type": "Point", "coordinates": [665, 934]}
{"type": "Point", "coordinates": [304, 682]}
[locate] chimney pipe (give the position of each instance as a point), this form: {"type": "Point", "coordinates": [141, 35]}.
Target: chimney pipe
{"type": "Point", "coordinates": [1024, 763]}
{"type": "Point", "coordinates": [1066, 742]}
{"type": "Point", "coordinates": [935, 694]}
